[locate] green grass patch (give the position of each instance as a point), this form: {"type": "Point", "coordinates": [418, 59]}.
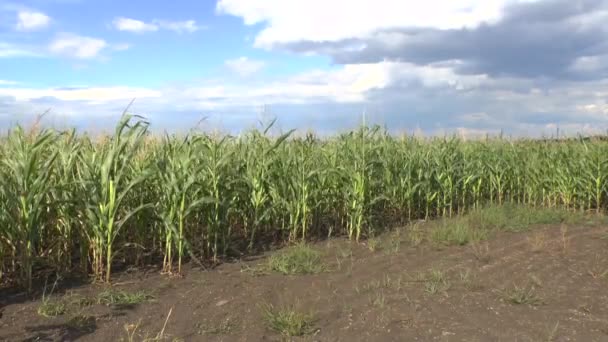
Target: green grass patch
{"type": "Point", "coordinates": [299, 259]}
{"type": "Point", "coordinates": [522, 295]}
{"type": "Point", "coordinates": [513, 217]}
{"type": "Point", "coordinates": [287, 321]}
{"type": "Point", "coordinates": [122, 298]}
{"type": "Point", "coordinates": [456, 232]}
{"type": "Point", "coordinates": [81, 301]}
{"type": "Point", "coordinates": [51, 308]}
{"type": "Point", "coordinates": [436, 282]}
{"type": "Point", "coordinates": [82, 322]}
{"type": "Point", "coordinates": [478, 224]}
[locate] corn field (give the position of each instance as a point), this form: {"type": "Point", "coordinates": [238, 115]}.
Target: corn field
{"type": "Point", "coordinates": [70, 202]}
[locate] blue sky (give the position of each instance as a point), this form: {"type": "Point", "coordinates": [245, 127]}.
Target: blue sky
{"type": "Point", "coordinates": [467, 66]}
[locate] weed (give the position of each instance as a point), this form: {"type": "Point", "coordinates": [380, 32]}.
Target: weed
{"type": "Point", "coordinates": [378, 300]}
{"type": "Point", "coordinates": [537, 242]}
{"type": "Point", "coordinates": [373, 244]}
{"type": "Point", "coordinates": [598, 272]}
{"type": "Point", "coordinates": [470, 281]}
{"type": "Point", "coordinates": [287, 321]}
{"type": "Point", "coordinates": [122, 298]}
{"type": "Point", "coordinates": [456, 232]}
{"type": "Point", "coordinates": [131, 330]}
{"type": "Point", "coordinates": [51, 307]}
{"type": "Point", "coordinates": [225, 327]}
{"type": "Point", "coordinates": [394, 243]}
{"type": "Point", "coordinates": [415, 235]}
{"type": "Point", "coordinates": [299, 259]}
{"type": "Point", "coordinates": [565, 239]}
{"type": "Point", "coordinates": [345, 254]}
{"type": "Point", "coordinates": [372, 285]}
{"type": "Point", "coordinates": [255, 271]}
{"type": "Point", "coordinates": [522, 295]}
{"type": "Point", "coordinates": [552, 333]}
{"type": "Point", "coordinates": [536, 280]}
{"type": "Point", "coordinates": [82, 322]}
{"type": "Point", "coordinates": [517, 218]}
{"type": "Point", "coordinates": [481, 251]}
{"type": "Point", "coordinates": [436, 282]}
{"type": "Point", "coordinates": [81, 301]}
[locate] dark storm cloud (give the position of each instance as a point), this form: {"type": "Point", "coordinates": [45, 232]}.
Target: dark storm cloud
{"type": "Point", "coordinates": [533, 40]}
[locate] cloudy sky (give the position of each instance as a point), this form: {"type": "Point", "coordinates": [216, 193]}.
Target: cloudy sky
{"type": "Point", "coordinates": [436, 66]}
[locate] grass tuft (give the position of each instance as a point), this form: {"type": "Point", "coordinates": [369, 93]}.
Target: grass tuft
{"type": "Point", "coordinates": [51, 308]}
{"type": "Point", "coordinates": [516, 218]}
{"type": "Point", "coordinates": [456, 232]}
{"type": "Point", "coordinates": [82, 322]}
{"type": "Point", "coordinates": [299, 259]}
{"type": "Point", "coordinates": [477, 225]}
{"type": "Point", "coordinates": [122, 298]}
{"type": "Point", "coordinates": [522, 295]}
{"type": "Point", "coordinates": [227, 326]}
{"type": "Point", "coordinates": [437, 282]}
{"type": "Point", "coordinates": [287, 321]}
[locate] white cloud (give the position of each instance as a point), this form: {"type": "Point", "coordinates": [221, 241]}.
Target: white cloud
{"type": "Point", "coordinates": [75, 46]}
{"type": "Point", "coordinates": [400, 95]}
{"type": "Point", "coordinates": [133, 25]}
{"type": "Point", "coordinates": [121, 47]}
{"type": "Point", "coordinates": [349, 84]}
{"type": "Point", "coordinates": [10, 50]}
{"type": "Point", "coordinates": [138, 26]}
{"type": "Point", "coordinates": [590, 63]}
{"type": "Point", "coordinates": [321, 20]}
{"type": "Point", "coordinates": [5, 82]}
{"type": "Point", "coordinates": [91, 95]}
{"type": "Point", "coordinates": [595, 108]}
{"type": "Point", "coordinates": [31, 20]}
{"type": "Point", "coordinates": [188, 26]}
{"type": "Point", "coordinates": [244, 66]}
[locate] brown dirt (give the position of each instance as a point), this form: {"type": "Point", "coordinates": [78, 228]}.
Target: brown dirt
{"type": "Point", "coordinates": [370, 296]}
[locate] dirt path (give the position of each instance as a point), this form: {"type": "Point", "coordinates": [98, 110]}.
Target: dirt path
{"type": "Point", "coordinates": [382, 295]}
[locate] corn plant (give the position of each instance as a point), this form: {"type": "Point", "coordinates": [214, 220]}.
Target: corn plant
{"type": "Point", "coordinates": [28, 165]}
{"type": "Point", "coordinates": [222, 188]}
{"type": "Point", "coordinates": [107, 179]}
{"type": "Point", "coordinates": [68, 197]}
{"type": "Point", "coordinates": [181, 193]}
{"type": "Point", "coordinates": [65, 208]}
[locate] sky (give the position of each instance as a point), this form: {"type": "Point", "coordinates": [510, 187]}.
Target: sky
{"type": "Point", "coordinates": [471, 67]}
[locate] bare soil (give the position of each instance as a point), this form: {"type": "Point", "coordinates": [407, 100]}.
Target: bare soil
{"type": "Point", "coordinates": [382, 292]}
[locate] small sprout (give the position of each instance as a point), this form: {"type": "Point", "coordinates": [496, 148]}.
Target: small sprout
{"type": "Point", "coordinates": [565, 239]}
{"type": "Point", "coordinates": [373, 244]}
{"type": "Point", "coordinates": [378, 300]}
{"type": "Point", "coordinates": [225, 327]}
{"type": "Point", "coordinates": [82, 322]}
{"type": "Point", "coordinates": [469, 281]}
{"type": "Point", "coordinates": [481, 251]}
{"type": "Point", "coordinates": [552, 333]}
{"type": "Point", "coordinates": [436, 282]}
{"type": "Point", "coordinates": [415, 235]}
{"type": "Point", "coordinates": [538, 242]}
